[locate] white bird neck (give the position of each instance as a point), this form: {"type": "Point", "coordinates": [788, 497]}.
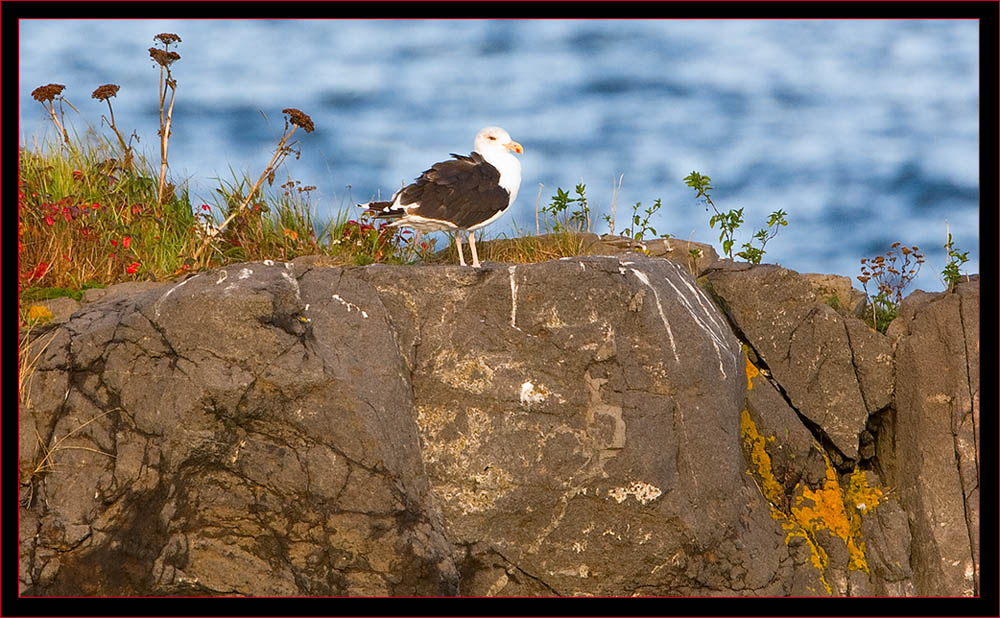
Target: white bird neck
{"type": "Point", "coordinates": [508, 166]}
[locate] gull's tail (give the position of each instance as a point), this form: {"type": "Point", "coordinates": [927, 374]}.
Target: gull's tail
{"type": "Point", "coordinates": [383, 210]}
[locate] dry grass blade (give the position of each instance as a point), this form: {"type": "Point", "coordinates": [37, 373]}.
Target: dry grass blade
{"type": "Point", "coordinates": [26, 362]}
{"type": "Point", "coordinates": [45, 463]}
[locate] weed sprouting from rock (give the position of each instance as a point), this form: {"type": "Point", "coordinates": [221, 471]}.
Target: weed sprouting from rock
{"type": "Point", "coordinates": [891, 274]}
{"type": "Point", "coordinates": [952, 271]}
{"type": "Point", "coordinates": [731, 221]}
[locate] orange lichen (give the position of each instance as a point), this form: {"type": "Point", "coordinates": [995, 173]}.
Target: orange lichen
{"type": "Point", "coordinates": [827, 508]}
{"type": "Point", "coordinates": [831, 507]}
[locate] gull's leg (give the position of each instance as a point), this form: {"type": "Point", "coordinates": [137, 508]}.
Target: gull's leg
{"type": "Point", "coordinates": [472, 245]}
{"type": "Point", "coordinates": [458, 243]}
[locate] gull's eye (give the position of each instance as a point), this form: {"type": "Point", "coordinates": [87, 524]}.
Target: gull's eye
{"type": "Point", "coordinates": [492, 137]}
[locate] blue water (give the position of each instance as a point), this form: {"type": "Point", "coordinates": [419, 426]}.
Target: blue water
{"type": "Point", "coordinates": [864, 131]}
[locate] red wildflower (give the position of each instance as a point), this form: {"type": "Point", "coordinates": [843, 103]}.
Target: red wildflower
{"type": "Point", "coordinates": [49, 220]}
{"type": "Point", "coordinates": [126, 241]}
{"type": "Point", "coordinates": [77, 174]}
{"type": "Point", "coordinates": [206, 207]}
{"type": "Point", "coordinates": [39, 271]}
{"type": "Point", "coordinates": [95, 205]}
{"type": "Point", "coordinates": [114, 243]}
{"type": "Point", "coordinates": [132, 268]}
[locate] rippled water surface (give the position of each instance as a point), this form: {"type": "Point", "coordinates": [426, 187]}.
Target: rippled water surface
{"type": "Point", "coordinates": [864, 131]}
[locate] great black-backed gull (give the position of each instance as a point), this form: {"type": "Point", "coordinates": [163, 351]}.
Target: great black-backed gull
{"type": "Point", "coordinates": [461, 194]}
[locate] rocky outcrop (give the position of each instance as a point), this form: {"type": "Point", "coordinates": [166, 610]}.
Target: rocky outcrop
{"type": "Point", "coordinates": [585, 426]}
{"type": "Point", "coordinates": [934, 456]}
{"type": "Point", "coordinates": [834, 370]}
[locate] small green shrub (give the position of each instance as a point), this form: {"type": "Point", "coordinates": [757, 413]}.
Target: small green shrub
{"type": "Point", "coordinates": [952, 271]}
{"type": "Point", "coordinates": [563, 219]}
{"type": "Point", "coordinates": [731, 221]}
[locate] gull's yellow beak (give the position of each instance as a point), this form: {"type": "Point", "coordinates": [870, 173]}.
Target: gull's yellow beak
{"type": "Point", "coordinates": [512, 145]}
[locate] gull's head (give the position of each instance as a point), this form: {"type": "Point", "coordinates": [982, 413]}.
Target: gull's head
{"type": "Point", "coordinates": [493, 139]}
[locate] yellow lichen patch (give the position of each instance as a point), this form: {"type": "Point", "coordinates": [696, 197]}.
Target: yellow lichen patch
{"type": "Point", "coordinates": [818, 555]}
{"type": "Point", "coordinates": [761, 461]}
{"type": "Point", "coordinates": [39, 313]}
{"type": "Point", "coordinates": [839, 511]}
{"type": "Point", "coordinates": [859, 499]}
{"type": "Point", "coordinates": [831, 507]}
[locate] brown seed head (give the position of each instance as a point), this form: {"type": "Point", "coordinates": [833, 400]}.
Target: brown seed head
{"type": "Point", "coordinates": [167, 38]}
{"type": "Point", "coordinates": [163, 58]}
{"type": "Point", "coordinates": [300, 118]}
{"type": "Point", "coordinates": [47, 93]}
{"type": "Point", "coordinates": [105, 92]}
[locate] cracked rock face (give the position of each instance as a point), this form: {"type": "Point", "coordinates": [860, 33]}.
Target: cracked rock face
{"type": "Point", "coordinates": [575, 427]}
{"type": "Point", "coordinates": [207, 437]}
{"type": "Point", "coordinates": [834, 370]}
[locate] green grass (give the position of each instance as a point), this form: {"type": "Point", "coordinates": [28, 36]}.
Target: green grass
{"type": "Point", "coordinates": [85, 220]}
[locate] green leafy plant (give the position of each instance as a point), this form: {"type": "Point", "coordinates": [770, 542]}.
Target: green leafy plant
{"type": "Point", "coordinates": [564, 219]}
{"type": "Point", "coordinates": [731, 221]}
{"type": "Point", "coordinates": [754, 254]}
{"type": "Point", "coordinates": [952, 273]}
{"type": "Point", "coordinates": [891, 274]}
{"type": "Point", "coordinates": [639, 226]}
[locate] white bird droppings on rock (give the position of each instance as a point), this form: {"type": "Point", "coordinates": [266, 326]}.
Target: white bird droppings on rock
{"type": "Point", "coordinates": [530, 395]}
{"type": "Point", "coordinates": [350, 306]}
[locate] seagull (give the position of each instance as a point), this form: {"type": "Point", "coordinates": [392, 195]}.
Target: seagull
{"type": "Point", "coordinates": [463, 193]}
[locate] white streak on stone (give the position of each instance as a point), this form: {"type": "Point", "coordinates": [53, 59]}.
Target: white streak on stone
{"type": "Point", "coordinates": [223, 275]}
{"type": "Point", "coordinates": [703, 301]}
{"type": "Point", "coordinates": [641, 276]}
{"type": "Point", "coordinates": [711, 333]}
{"type": "Point", "coordinates": [268, 262]}
{"type": "Point", "coordinates": [718, 330]}
{"type": "Point", "coordinates": [513, 297]}
{"type": "Point", "coordinates": [350, 306]}
{"type": "Point", "coordinates": [245, 273]}
{"type": "Point", "coordinates": [294, 282]}
{"type": "Point", "coordinates": [156, 307]}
